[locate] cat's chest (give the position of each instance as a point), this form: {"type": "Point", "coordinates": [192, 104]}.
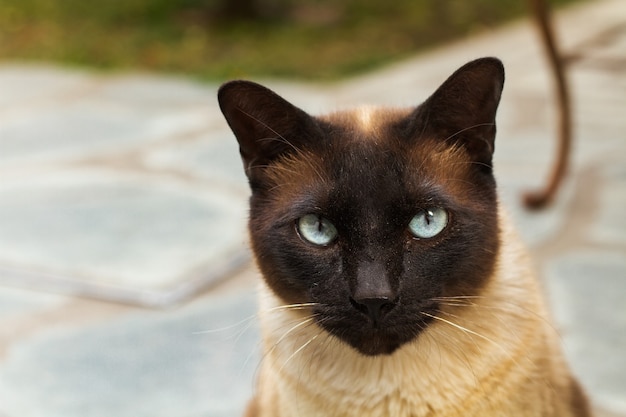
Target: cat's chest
{"type": "Point", "coordinates": [311, 390]}
{"type": "Point", "coordinates": [321, 392]}
{"type": "Point", "coordinates": [327, 377]}
{"type": "Point", "coordinates": [445, 372]}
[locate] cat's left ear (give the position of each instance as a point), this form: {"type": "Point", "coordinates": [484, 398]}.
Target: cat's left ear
{"type": "Point", "coordinates": [266, 125]}
{"type": "Point", "coordinates": [463, 109]}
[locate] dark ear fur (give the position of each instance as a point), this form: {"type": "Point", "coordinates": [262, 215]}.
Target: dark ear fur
{"type": "Point", "coordinates": [266, 125]}
{"type": "Point", "coordinates": [463, 109]}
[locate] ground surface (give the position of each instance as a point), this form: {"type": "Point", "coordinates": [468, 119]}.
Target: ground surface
{"type": "Point", "coordinates": [122, 223]}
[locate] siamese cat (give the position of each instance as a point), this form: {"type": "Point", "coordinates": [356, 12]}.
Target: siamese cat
{"type": "Point", "coordinates": [393, 282]}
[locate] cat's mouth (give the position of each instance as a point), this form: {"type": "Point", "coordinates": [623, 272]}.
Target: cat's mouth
{"type": "Point", "coordinates": [372, 337]}
{"type": "Point", "coordinates": [376, 310]}
{"type": "Point", "coordinates": [376, 342]}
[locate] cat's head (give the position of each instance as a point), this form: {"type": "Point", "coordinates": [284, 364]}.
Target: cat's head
{"type": "Point", "coordinates": [374, 215]}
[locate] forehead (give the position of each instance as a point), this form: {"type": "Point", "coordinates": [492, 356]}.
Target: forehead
{"type": "Point", "coordinates": [367, 123]}
{"type": "Point", "coordinates": [366, 160]}
{"type": "Point", "coordinates": [372, 148]}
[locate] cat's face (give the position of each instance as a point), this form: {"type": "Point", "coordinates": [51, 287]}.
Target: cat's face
{"type": "Point", "coordinates": [373, 215]}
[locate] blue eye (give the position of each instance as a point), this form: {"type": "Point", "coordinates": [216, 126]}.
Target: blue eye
{"type": "Point", "coordinates": [316, 230]}
{"type": "Point", "coordinates": [429, 223]}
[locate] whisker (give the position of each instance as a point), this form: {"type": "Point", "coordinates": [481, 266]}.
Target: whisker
{"type": "Point", "coordinates": [277, 167]}
{"type": "Point", "coordinates": [312, 163]}
{"type": "Point", "coordinates": [453, 347]}
{"type": "Point", "coordinates": [463, 329]}
{"type": "Point", "coordinates": [472, 163]}
{"type": "Point", "coordinates": [247, 320]}
{"type": "Point", "coordinates": [450, 179]}
{"type": "Point", "coordinates": [454, 297]}
{"type": "Point", "coordinates": [300, 324]}
{"type": "Point", "coordinates": [267, 352]}
{"type": "Point", "coordinates": [470, 128]}
{"type": "Point", "coordinates": [298, 351]}
{"type": "Point", "coordinates": [269, 128]}
{"type": "Point", "coordinates": [280, 139]}
{"type": "Point", "coordinates": [514, 307]}
{"type": "Point", "coordinates": [298, 306]}
{"type": "Point", "coordinates": [259, 346]}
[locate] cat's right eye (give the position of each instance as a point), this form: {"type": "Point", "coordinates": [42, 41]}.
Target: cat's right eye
{"type": "Point", "coordinates": [316, 229]}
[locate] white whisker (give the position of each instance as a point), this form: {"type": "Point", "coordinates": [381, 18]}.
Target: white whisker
{"type": "Point", "coordinates": [298, 351]}
{"type": "Point", "coordinates": [300, 324]}
{"type": "Point", "coordinates": [470, 128]}
{"type": "Point", "coordinates": [464, 329]}
{"type": "Point", "coordinates": [247, 320]}
{"type": "Point", "coordinates": [292, 306]}
{"type": "Point", "coordinates": [267, 127]}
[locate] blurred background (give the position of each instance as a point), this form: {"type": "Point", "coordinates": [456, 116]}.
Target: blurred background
{"type": "Point", "coordinates": [219, 39]}
{"type": "Point", "coordinates": [126, 284]}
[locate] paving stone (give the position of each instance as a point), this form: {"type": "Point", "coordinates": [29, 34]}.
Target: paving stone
{"type": "Point", "coordinates": [211, 156]}
{"type": "Point", "coordinates": [98, 231]}
{"type": "Point", "coordinates": [151, 91]}
{"type": "Point", "coordinates": [610, 225]}
{"type": "Point", "coordinates": [15, 301]}
{"type": "Point", "coordinates": [188, 362]}
{"type": "Point", "coordinates": [537, 227]}
{"type": "Point", "coordinates": [521, 164]}
{"type": "Point", "coordinates": [140, 180]}
{"type": "Point", "coordinates": [586, 291]}
{"type": "Point", "coordinates": [25, 84]}
{"type": "Point", "coordinates": [86, 128]}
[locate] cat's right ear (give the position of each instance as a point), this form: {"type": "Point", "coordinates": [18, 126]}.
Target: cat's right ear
{"type": "Point", "coordinates": [266, 125]}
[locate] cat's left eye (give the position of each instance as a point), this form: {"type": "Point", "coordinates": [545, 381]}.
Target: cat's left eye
{"type": "Point", "coordinates": [428, 223]}
{"type": "Point", "coordinates": [316, 229]}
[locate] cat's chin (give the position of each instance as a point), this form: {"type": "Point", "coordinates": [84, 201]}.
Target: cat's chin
{"type": "Point", "coordinates": [375, 342]}
{"type": "Point", "coordinates": [360, 333]}
{"type": "Point", "coordinates": [376, 349]}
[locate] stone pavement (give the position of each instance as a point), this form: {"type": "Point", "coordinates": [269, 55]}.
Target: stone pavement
{"type": "Point", "coordinates": [126, 288]}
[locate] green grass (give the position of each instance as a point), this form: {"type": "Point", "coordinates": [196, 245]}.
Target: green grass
{"type": "Point", "coordinates": [313, 39]}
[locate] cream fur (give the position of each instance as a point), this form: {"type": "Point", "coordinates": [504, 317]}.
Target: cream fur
{"type": "Point", "coordinates": [507, 362]}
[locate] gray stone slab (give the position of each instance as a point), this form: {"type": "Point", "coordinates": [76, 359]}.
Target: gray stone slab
{"type": "Point", "coordinates": [183, 175]}
{"type": "Point", "coordinates": [197, 361]}
{"type": "Point", "coordinates": [153, 234]}
{"type": "Point", "coordinates": [87, 128]}
{"type": "Point", "coordinates": [521, 163]}
{"type": "Point", "coordinates": [211, 156]}
{"type": "Point", "coordinates": [610, 224]}
{"type": "Point", "coordinates": [588, 295]}
{"type": "Point", "coordinates": [151, 91]}
{"type": "Point", "coordinates": [117, 235]}
{"type": "Point", "coordinates": [534, 227]}
{"type": "Point", "coordinates": [25, 84]}
{"type": "Point", "coordinates": [16, 301]}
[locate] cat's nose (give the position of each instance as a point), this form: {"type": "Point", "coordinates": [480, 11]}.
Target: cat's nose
{"type": "Point", "coordinates": [374, 307]}
{"type": "Point", "coordinates": [372, 290]}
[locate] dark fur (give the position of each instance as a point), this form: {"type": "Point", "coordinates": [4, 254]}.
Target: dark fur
{"type": "Point", "coordinates": [370, 183]}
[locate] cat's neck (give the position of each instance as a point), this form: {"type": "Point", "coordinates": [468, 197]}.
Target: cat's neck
{"type": "Point", "coordinates": [474, 343]}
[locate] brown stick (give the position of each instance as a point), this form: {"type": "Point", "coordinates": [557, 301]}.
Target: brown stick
{"type": "Point", "coordinates": [542, 198]}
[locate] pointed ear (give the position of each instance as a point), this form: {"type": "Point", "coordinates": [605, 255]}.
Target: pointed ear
{"type": "Point", "coordinates": [266, 125]}
{"type": "Point", "coordinates": [463, 109]}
